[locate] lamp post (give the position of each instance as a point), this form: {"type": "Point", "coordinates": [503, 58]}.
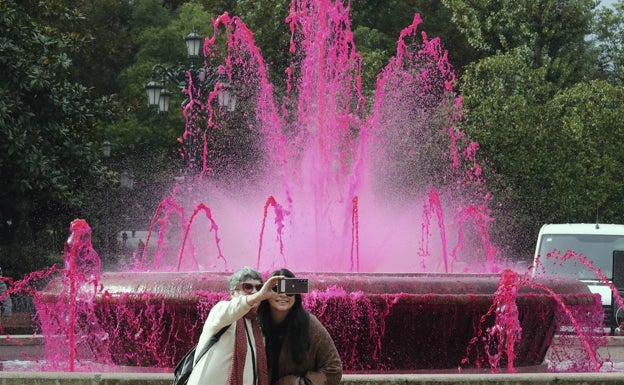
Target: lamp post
{"type": "Point", "coordinates": [126, 185]}
{"type": "Point", "coordinates": [202, 79]}
{"type": "Point", "coordinates": [106, 153]}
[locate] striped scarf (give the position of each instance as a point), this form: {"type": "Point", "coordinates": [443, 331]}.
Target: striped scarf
{"type": "Point", "coordinates": [241, 341]}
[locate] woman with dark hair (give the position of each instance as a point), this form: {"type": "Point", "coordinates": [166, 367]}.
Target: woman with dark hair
{"type": "Point", "coordinates": [299, 349]}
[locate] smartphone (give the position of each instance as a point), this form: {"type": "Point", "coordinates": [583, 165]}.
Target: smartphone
{"type": "Point", "coordinates": [293, 286]}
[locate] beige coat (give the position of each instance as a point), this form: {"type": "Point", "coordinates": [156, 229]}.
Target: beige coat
{"type": "Point", "coordinates": [214, 367]}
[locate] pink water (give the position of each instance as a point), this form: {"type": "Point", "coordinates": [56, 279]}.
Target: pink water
{"type": "Point", "coordinates": [385, 185]}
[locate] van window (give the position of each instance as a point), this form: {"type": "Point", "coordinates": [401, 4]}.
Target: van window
{"type": "Point", "coordinates": [597, 248]}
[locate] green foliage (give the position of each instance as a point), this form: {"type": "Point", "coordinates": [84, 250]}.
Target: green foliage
{"type": "Point", "coordinates": [144, 131]}
{"type": "Point", "coordinates": [609, 29]}
{"type": "Point", "coordinates": [373, 46]}
{"type": "Point", "coordinates": [148, 14]}
{"type": "Point", "coordinates": [145, 141]}
{"type": "Point", "coordinates": [267, 19]}
{"type": "Point", "coordinates": [105, 28]}
{"type": "Point", "coordinates": [552, 34]}
{"type": "Point", "coordinates": [589, 118]}
{"type": "Point", "coordinates": [49, 151]}
{"type": "Point", "coordinates": [504, 99]}
{"type": "Point", "coordinates": [388, 18]}
{"type": "Point", "coordinates": [19, 261]}
{"type": "Point", "coordinates": [555, 152]}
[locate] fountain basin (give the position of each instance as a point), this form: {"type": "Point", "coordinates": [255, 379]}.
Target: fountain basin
{"type": "Point", "coordinates": [379, 321]}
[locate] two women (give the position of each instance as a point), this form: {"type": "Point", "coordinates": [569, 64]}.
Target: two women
{"type": "Point", "coordinates": [298, 349]}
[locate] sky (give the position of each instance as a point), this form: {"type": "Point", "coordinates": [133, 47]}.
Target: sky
{"type": "Point", "coordinates": [607, 3]}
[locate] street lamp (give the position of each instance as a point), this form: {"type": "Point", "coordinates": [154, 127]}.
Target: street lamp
{"type": "Point", "coordinates": [203, 78]}
{"type": "Point", "coordinates": [193, 43]}
{"type": "Point", "coordinates": [106, 153]}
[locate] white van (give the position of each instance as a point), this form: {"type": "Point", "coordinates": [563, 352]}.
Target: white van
{"type": "Point", "coordinates": [594, 241]}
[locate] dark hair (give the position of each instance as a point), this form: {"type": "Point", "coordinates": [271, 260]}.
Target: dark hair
{"type": "Point", "coordinates": [297, 323]}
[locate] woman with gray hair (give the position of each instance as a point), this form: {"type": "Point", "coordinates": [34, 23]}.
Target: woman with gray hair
{"type": "Point", "coordinates": [239, 356]}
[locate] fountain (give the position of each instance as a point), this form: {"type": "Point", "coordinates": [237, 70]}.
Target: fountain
{"type": "Point", "coordinates": [387, 198]}
{"type": "Point", "coordinates": [151, 323]}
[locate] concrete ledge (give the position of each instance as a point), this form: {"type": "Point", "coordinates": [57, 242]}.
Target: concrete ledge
{"type": "Point", "coordinates": [20, 346]}
{"type": "Point", "coordinates": [137, 376]}
{"type": "Point", "coordinates": [57, 378]}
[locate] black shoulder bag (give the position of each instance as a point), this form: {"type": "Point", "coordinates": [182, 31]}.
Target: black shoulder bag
{"type": "Point", "coordinates": [185, 366]}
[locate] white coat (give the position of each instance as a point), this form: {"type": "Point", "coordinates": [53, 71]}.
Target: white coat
{"type": "Point", "coordinates": [214, 367]}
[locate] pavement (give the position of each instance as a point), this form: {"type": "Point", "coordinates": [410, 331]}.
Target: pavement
{"type": "Point", "coordinates": [32, 346]}
{"type": "Point", "coordinates": [55, 378]}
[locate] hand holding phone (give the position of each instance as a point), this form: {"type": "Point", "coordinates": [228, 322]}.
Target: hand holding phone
{"type": "Point", "coordinates": [292, 286]}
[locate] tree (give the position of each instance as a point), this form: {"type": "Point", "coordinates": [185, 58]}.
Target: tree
{"type": "Point", "coordinates": [267, 20]}
{"type": "Point", "coordinates": [504, 100]}
{"type": "Point", "coordinates": [144, 140]}
{"type": "Point", "coordinates": [49, 155]}
{"type": "Point", "coordinates": [554, 151]}
{"type": "Point", "coordinates": [586, 127]}
{"type": "Point", "coordinates": [608, 30]}
{"type": "Point", "coordinates": [549, 33]}
{"type": "Point", "coordinates": [108, 47]}
{"type": "Point", "coordinates": [388, 18]}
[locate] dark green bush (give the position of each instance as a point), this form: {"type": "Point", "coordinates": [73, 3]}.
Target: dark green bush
{"type": "Point", "coordinates": [17, 261]}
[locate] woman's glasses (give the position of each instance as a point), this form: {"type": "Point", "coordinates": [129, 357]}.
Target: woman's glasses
{"type": "Point", "coordinates": [248, 287]}
{"type": "Point", "coordinates": [274, 288]}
